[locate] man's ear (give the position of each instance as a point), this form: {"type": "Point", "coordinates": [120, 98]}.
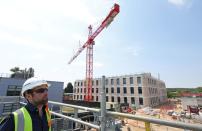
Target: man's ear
{"type": "Point", "coordinates": [28, 96]}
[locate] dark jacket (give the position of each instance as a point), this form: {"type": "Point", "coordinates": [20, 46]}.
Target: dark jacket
{"type": "Point", "coordinates": [38, 123]}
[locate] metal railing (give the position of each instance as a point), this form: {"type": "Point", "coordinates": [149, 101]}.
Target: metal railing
{"type": "Point", "coordinates": [148, 120]}
{"type": "Point", "coordinates": [103, 114]}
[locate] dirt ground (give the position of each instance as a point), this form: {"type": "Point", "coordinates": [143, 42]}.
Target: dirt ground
{"type": "Point", "coordinates": [133, 125]}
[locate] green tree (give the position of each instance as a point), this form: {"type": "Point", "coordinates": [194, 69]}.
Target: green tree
{"type": "Point", "coordinates": [17, 73]}
{"type": "Point", "coordinates": [15, 69]}
{"type": "Point", "coordinates": [171, 94]}
{"type": "Point", "coordinates": [199, 89]}
{"type": "Point", "coordinates": [69, 88]}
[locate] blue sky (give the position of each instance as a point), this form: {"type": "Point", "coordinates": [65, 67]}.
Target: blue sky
{"type": "Point", "coordinates": [157, 36]}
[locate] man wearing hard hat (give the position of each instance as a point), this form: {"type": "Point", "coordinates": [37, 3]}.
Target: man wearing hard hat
{"type": "Point", "coordinates": [35, 115]}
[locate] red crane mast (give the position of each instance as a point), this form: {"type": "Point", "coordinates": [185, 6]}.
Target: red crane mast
{"type": "Point", "coordinates": [89, 54]}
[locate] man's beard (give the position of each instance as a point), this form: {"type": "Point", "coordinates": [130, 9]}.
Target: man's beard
{"type": "Point", "coordinates": [41, 102]}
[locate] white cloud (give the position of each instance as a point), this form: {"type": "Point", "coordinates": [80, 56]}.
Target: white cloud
{"type": "Point", "coordinates": [82, 64]}
{"type": "Point", "coordinates": [42, 29]}
{"type": "Point", "coordinates": [181, 3]}
{"type": "Point", "coordinates": [98, 64]}
{"type": "Point", "coordinates": [133, 50]}
{"type": "Point", "coordinates": [32, 15]}
{"type": "Point", "coordinates": [28, 41]}
{"type": "Point", "coordinates": [177, 2]}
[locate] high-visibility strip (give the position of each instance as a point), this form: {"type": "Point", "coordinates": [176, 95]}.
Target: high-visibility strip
{"type": "Point", "coordinates": [48, 116]}
{"type": "Point", "coordinates": [18, 120]}
{"type": "Point", "coordinates": [27, 120]}
{"type": "Point", "coordinates": [15, 120]}
{"type": "Point", "coordinates": [22, 120]}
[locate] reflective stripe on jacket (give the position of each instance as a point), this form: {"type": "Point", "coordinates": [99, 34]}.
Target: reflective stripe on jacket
{"type": "Point", "coordinates": [23, 121]}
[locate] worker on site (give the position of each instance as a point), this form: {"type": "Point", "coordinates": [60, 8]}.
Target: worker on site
{"type": "Point", "coordinates": [34, 116]}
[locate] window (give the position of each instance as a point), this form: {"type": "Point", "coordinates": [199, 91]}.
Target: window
{"type": "Point", "coordinates": [131, 80]}
{"type": "Point", "coordinates": [131, 90]}
{"type": "Point", "coordinates": [106, 82]}
{"type": "Point", "coordinates": [124, 80]}
{"type": "Point", "coordinates": [112, 99]}
{"type": "Point", "coordinates": [117, 81]}
{"type": "Point", "coordinates": [14, 90]}
{"type": "Point", "coordinates": [81, 97]}
{"type": "Point", "coordinates": [138, 80]}
{"type": "Point", "coordinates": [118, 90]}
{"type": "Point", "coordinates": [77, 97]}
{"type": "Point", "coordinates": [78, 83]}
{"type": "Point", "coordinates": [96, 98]}
{"type": "Point", "coordinates": [81, 83]}
{"type": "Point", "coordinates": [118, 99]}
{"type": "Point", "coordinates": [124, 90]}
{"type": "Point", "coordinates": [132, 100]}
{"type": "Point", "coordinates": [93, 82]}
{"type": "Point", "coordinates": [141, 101]}
{"type": "Point", "coordinates": [139, 90]}
{"type": "Point", "coordinates": [84, 90]}
{"type": "Point", "coordinates": [96, 82]}
{"type": "Point", "coordinates": [81, 90]}
{"type": "Point", "coordinates": [77, 90]}
{"type": "Point", "coordinates": [92, 90]}
{"type": "Point", "coordinates": [106, 90]}
{"type": "Point", "coordinates": [112, 90]}
{"type": "Point", "coordinates": [112, 81]}
{"type": "Point", "coordinates": [96, 90]}
{"type": "Point", "coordinates": [106, 98]}
{"type": "Point", "coordinates": [93, 98]}
{"type": "Point", "coordinates": [125, 100]}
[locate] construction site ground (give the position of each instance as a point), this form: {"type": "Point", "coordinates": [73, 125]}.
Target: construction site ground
{"type": "Point", "coordinates": [133, 125]}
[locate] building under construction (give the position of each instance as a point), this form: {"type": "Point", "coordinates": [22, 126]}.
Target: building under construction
{"type": "Point", "coordinates": [138, 90]}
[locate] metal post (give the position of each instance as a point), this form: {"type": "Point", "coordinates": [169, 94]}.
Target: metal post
{"type": "Point", "coordinates": [103, 105]}
{"type": "Point", "coordinates": [147, 126]}
{"type": "Point", "coordinates": [76, 116]}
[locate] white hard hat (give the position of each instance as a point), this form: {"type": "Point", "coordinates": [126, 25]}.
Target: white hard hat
{"type": "Point", "coordinates": [32, 83]}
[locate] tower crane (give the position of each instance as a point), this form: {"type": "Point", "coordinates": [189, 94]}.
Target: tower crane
{"type": "Point", "coordinates": [89, 53]}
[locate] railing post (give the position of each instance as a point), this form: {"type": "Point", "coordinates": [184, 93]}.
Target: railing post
{"type": "Point", "coordinates": [103, 105]}
{"type": "Point", "coordinates": [76, 116]}
{"type": "Point", "coordinates": [147, 126]}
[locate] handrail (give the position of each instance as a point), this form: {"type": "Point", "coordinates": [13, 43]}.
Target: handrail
{"type": "Point", "coordinates": [181, 125]}
{"type": "Point", "coordinates": [176, 124]}
{"type": "Point", "coordinates": [76, 120]}
{"type": "Point", "coordinates": [75, 106]}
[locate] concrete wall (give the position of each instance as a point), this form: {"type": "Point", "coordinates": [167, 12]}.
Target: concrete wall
{"type": "Point", "coordinates": [55, 91]}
